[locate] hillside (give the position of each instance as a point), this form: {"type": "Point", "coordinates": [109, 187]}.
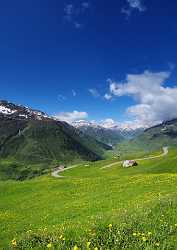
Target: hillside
{"type": "Point", "coordinates": [31, 137]}
{"type": "Point", "coordinates": [154, 138]}
{"type": "Point", "coordinates": [114, 208]}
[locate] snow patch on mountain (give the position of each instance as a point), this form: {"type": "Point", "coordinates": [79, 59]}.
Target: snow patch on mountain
{"type": "Point", "coordinates": [6, 111]}
{"type": "Point", "coordinates": [126, 130]}
{"type": "Point", "coordinates": [108, 124]}
{"type": "Point", "coordinates": [12, 110]}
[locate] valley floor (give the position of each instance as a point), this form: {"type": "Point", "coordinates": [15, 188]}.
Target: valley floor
{"type": "Point", "coordinates": [92, 196]}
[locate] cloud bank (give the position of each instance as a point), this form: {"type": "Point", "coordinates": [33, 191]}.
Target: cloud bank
{"type": "Point", "coordinates": [71, 116]}
{"type": "Point", "coordinates": [155, 102]}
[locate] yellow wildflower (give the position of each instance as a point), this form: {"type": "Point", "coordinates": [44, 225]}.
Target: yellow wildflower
{"type": "Point", "coordinates": [88, 244]}
{"type": "Point", "coordinates": [75, 248]}
{"type": "Point", "coordinates": [134, 234]}
{"type": "Point", "coordinates": [14, 243]}
{"type": "Point", "coordinates": [110, 226]}
{"type": "Point", "coordinates": [144, 239]}
{"type": "Point", "coordinates": [49, 245]}
{"type": "Point", "coordinates": [175, 225]}
{"type": "Point", "coordinates": [157, 244]}
{"type": "Point", "coordinates": [149, 233]}
{"type": "Point", "coordinates": [96, 248]}
{"type": "Point", "coordinates": [29, 231]}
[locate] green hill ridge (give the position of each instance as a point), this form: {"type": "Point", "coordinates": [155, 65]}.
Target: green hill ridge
{"type": "Point", "coordinates": [39, 140]}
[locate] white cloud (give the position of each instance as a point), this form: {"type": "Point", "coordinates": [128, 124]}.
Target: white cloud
{"type": "Point", "coordinates": [94, 92]}
{"type": "Point", "coordinates": [108, 123]}
{"type": "Point", "coordinates": [136, 4]}
{"type": "Point", "coordinates": [154, 101]}
{"type": "Point", "coordinates": [133, 5]}
{"type": "Point", "coordinates": [108, 96]}
{"type": "Point", "coordinates": [71, 116]}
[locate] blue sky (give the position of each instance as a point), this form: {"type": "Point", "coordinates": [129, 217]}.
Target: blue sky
{"type": "Point", "coordinates": [53, 52]}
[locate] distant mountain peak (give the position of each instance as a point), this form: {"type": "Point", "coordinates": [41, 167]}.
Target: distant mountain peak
{"type": "Point", "coordinates": [108, 132]}
{"type": "Point", "coordinates": [110, 125]}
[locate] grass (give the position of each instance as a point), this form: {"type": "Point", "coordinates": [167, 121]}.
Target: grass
{"type": "Point", "coordinates": [132, 200]}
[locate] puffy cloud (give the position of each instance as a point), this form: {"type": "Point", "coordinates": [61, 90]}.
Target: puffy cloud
{"type": "Point", "coordinates": [154, 101]}
{"type": "Point", "coordinates": [136, 4]}
{"type": "Point", "coordinates": [108, 123]}
{"type": "Point", "coordinates": [94, 92]}
{"type": "Point", "coordinates": [71, 116]}
{"type": "Point", "coordinates": [133, 5]}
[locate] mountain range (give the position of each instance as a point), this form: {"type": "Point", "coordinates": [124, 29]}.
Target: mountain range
{"type": "Point", "coordinates": [32, 137]}
{"type": "Point", "coordinates": [112, 133]}
{"type": "Point", "coordinates": [32, 141]}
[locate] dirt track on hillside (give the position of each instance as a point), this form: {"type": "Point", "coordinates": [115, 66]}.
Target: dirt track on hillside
{"type": "Point", "coordinates": [165, 152]}
{"type": "Point", "coordinates": [55, 173]}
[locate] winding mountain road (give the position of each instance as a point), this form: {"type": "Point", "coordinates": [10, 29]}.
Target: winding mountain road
{"type": "Point", "coordinates": [165, 152]}
{"type": "Point", "coordinates": [56, 172]}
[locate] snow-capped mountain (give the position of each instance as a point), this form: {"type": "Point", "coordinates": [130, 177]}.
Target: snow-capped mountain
{"type": "Point", "coordinates": [105, 135]}
{"type": "Point", "coordinates": [117, 130]}
{"type": "Point", "coordinates": [10, 110]}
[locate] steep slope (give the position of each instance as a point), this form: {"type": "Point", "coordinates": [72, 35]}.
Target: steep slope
{"type": "Point", "coordinates": [156, 137]}
{"type": "Point", "coordinates": [31, 137]}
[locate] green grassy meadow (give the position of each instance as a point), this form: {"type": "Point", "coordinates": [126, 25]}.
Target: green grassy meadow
{"type": "Point", "coordinates": [92, 208]}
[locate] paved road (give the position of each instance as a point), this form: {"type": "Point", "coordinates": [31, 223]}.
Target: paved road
{"type": "Point", "coordinates": [55, 173]}
{"type": "Point", "coordinates": [165, 152]}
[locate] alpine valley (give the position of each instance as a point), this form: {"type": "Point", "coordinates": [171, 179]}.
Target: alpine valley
{"type": "Point", "coordinates": [33, 141]}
